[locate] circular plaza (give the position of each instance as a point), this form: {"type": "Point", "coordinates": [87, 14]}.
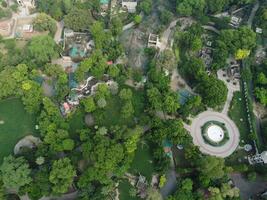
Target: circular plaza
{"type": "Point", "coordinates": [215, 134]}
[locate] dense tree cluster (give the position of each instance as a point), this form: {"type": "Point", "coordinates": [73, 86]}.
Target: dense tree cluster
{"type": "Point", "coordinates": [160, 97]}
{"type": "Point", "coordinates": [260, 83]}
{"type": "Point", "coordinates": [137, 107]}
{"type": "Point", "coordinates": [201, 7]}
{"type": "Point", "coordinates": [41, 50]}
{"type": "Point", "coordinates": [44, 22]}
{"type": "Point", "coordinates": [238, 43]}
{"type": "Point", "coordinates": [78, 19]}
{"type": "Point", "coordinates": [22, 85]}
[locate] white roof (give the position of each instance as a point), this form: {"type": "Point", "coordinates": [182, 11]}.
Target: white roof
{"type": "Point", "coordinates": [264, 156]}
{"type": "Point", "coordinates": [258, 30]}
{"type": "Point", "coordinates": [215, 133]}
{"type": "Point", "coordinates": [27, 27]}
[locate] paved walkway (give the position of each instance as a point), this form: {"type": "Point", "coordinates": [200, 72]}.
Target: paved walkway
{"type": "Point", "coordinates": [60, 26]}
{"type": "Point", "coordinates": [253, 13]}
{"type": "Point", "coordinates": [195, 129]}
{"type": "Point", "coordinates": [231, 89]}
{"type": "Point", "coordinates": [166, 35]}
{"type": "Point", "coordinates": [211, 28]}
{"type": "Point", "coordinates": [248, 188]}
{"type": "Point", "coordinates": [171, 183]}
{"type": "Point", "coordinates": [177, 82]}
{"type": "Point", "coordinates": [128, 26]}
{"type": "Point", "coordinates": [223, 151]}
{"type": "Point", "coordinates": [164, 40]}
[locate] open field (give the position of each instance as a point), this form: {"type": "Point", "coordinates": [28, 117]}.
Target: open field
{"type": "Point", "coordinates": [142, 162]}
{"type": "Point", "coordinates": [15, 124]}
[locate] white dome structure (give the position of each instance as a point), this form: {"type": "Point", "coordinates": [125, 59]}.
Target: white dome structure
{"type": "Point", "coordinates": [215, 133]}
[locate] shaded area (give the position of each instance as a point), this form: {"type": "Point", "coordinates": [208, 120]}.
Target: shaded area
{"type": "Point", "coordinates": [124, 189]}
{"type": "Point", "coordinates": [248, 189]}
{"type": "Point", "coordinates": [76, 121]}
{"type": "Point", "coordinates": [170, 185]}
{"type": "Point", "coordinates": [143, 162]}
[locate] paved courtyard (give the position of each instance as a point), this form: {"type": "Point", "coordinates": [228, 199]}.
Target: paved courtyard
{"type": "Point", "coordinates": [221, 151]}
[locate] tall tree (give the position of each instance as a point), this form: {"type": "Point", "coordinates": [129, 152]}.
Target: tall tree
{"type": "Point", "coordinates": [210, 168]}
{"type": "Point", "coordinates": [61, 175]}
{"type": "Point", "coordinates": [116, 26]}
{"type": "Point", "coordinates": [41, 49]}
{"type": "Point", "coordinates": [213, 91]}
{"type": "Point", "coordinates": [44, 22]}
{"type": "Point", "coordinates": [15, 172]}
{"type": "Point", "coordinates": [32, 96]}
{"type": "Point", "coordinates": [190, 7]}
{"type": "Point", "coordinates": [78, 19]}
{"type": "Point", "coordinates": [99, 35]}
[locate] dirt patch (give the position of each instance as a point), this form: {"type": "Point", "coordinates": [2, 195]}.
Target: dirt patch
{"type": "Point", "coordinates": [259, 110]}
{"type": "Point", "coordinates": [134, 42]}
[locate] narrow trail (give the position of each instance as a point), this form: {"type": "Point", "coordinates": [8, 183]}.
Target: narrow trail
{"type": "Point", "coordinates": [60, 26]}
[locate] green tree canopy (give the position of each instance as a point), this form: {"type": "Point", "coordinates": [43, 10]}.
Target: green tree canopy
{"type": "Point", "coordinates": [78, 19]}
{"type": "Point", "coordinates": [44, 22]}
{"type": "Point", "coordinates": [96, 64]}
{"type": "Point", "coordinates": [261, 94]}
{"type": "Point", "coordinates": [41, 49]}
{"type": "Point", "coordinates": [61, 175]}
{"type": "Point", "coordinates": [15, 172]}
{"type": "Point", "coordinates": [190, 7]}
{"type": "Point", "coordinates": [213, 91]}
{"type": "Point", "coordinates": [210, 168]}
{"type": "Point", "coordinates": [116, 26]}
{"type": "Point", "coordinates": [185, 191]}
{"type": "Point", "coordinates": [146, 6]}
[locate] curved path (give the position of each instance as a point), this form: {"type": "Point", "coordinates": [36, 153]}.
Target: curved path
{"type": "Point", "coordinates": [222, 151]}
{"type": "Point", "coordinates": [211, 28]}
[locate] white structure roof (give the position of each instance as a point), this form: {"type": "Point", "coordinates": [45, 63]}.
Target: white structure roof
{"type": "Point", "coordinates": [264, 156]}
{"type": "Point", "coordinates": [130, 5]}
{"type": "Point", "coordinates": [258, 30]}
{"type": "Point", "coordinates": [215, 133]}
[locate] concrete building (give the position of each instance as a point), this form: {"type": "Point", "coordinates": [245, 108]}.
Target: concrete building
{"type": "Point", "coordinates": [235, 21]}
{"type": "Point", "coordinates": [6, 27]}
{"type": "Point", "coordinates": [258, 158]}
{"type": "Point", "coordinates": [153, 41]}
{"type": "Point", "coordinates": [26, 3]}
{"type": "Point", "coordinates": [130, 5]}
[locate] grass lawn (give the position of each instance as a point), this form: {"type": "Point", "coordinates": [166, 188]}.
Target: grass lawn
{"type": "Point", "coordinates": [17, 124]}
{"type": "Point", "coordinates": [124, 189]}
{"type": "Point", "coordinates": [238, 111]}
{"type": "Point", "coordinates": [142, 162]}
{"type": "Point", "coordinates": [111, 114]}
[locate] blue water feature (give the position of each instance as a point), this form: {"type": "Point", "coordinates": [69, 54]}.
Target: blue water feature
{"type": "Point", "coordinates": [184, 95]}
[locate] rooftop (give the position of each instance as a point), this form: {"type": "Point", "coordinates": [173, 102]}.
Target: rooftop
{"type": "Point", "coordinates": [104, 1]}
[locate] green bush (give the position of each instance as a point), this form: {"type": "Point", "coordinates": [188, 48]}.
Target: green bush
{"type": "Point", "coordinates": [5, 13]}
{"type": "Point", "coordinates": [251, 176]}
